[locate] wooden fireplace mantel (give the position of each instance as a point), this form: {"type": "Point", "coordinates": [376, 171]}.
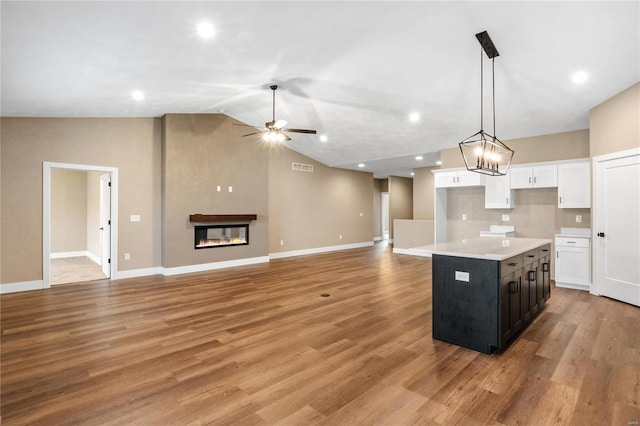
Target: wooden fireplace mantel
{"type": "Point", "coordinates": [208, 218]}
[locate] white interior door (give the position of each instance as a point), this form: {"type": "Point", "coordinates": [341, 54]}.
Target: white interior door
{"type": "Point", "coordinates": [105, 224]}
{"type": "Point", "coordinates": [617, 226]}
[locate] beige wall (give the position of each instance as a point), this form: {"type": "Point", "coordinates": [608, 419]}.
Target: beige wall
{"type": "Point", "coordinates": [423, 186]}
{"type": "Point", "coordinates": [615, 124]}
{"type": "Point", "coordinates": [201, 152]}
{"type": "Point", "coordinates": [311, 210]}
{"type": "Point", "coordinates": [400, 200]}
{"type": "Point", "coordinates": [130, 144]}
{"type": "Point", "coordinates": [557, 146]}
{"type": "Point", "coordinates": [68, 210]}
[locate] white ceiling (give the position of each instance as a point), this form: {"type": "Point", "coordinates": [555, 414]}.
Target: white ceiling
{"type": "Point", "coordinates": [351, 70]}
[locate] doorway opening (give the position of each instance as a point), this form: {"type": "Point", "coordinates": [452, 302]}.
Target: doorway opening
{"type": "Point", "coordinates": [384, 215]}
{"type": "Point", "coordinates": [79, 223]}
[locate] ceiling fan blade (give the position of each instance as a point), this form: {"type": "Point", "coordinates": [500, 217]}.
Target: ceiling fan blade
{"type": "Point", "coordinates": [286, 137]}
{"type": "Point", "coordinates": [251, 134]}
{"type": "Point", "coordinates": [313, 132]}
{"type": "Point", "coordinates": [246, 125]}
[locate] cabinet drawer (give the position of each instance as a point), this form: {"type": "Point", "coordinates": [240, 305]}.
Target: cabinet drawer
{"type": "Point", "coordinates": [572, 242]}
{"type": "Point", "coordinates": [507, 266]}
{"type": "Point", "coordinates": [530, 256]}
{"type": "Point", "coordinates": [544, 251]}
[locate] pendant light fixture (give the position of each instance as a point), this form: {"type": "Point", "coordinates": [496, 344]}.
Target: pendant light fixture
{"type": "Point", "coordinates": [482, 152]}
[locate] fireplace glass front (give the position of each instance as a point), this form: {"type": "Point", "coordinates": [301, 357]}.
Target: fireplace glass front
{"type": "Point", "coordinates": [221, 236]}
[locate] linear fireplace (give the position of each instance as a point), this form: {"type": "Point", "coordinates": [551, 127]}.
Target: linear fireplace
{"type": "Point", "coordinates": [210, 236]}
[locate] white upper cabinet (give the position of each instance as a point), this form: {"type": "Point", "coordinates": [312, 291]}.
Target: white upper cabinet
{"type": "Point", "coordinates": [498, 193]}
{"type": "Point", "coordinates": [458, 178]}
{"type": "Point", "coordinates": [534, 177]}
{"type": "Point", "coordinates": [574, 189]}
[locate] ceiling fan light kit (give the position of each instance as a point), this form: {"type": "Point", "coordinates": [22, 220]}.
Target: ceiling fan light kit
{"type": "Point", "coordinates": [482, 152]}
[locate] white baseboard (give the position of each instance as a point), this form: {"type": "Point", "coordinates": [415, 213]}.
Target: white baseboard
{"type": "Point", "coordinates": [63, 254]}
{"type": "Point", "coordinates": [135, 273]}
{"type": "Point", "coordinates": [22, 286]}
{"type": "Point", "coordinates": [318, 250]}
{"type": "Point", "coordinates": [412, 252]}
{"type": "Point", "coordinates": [584, 287]}
{"type": "Point", "coordinates": [215, 265]}
{"type": "Point", "coordinates": [93, 257]}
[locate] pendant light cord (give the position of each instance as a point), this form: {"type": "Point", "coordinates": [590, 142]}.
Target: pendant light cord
{"type": "Point", "coordinates": [493, 88]}
{"type": "Point", "coordinates": [481, 92]}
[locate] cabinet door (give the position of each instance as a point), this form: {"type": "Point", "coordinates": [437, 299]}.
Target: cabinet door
{"type": "Point", "coordinates": [446, 180]}
{"type": "Point", "coordinates": [498, 193]}
{"type": "Point", "coordinates": [470, 179]}
{"type": "Point", "coordinates": [510, 310]}
{"type": "Point", "coordinates": [545, 176]}
{"type": "Point", "coordinates": [521, 177]}
{"type": "Point", "coordinates": [574, 189]}
{"type": "Point", "coordinates": [532, 277]}
{"type": "Point", "coordinates": [545, 279]}
{"type": "Point", "coordinates": [524, 297]}
{"type": "Point", "coordinates": [572, 265]}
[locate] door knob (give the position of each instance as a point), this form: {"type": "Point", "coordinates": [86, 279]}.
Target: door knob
{"type": "Point", "coordinates": [601, 234]}
{"type": "Point", "coordinates": [101, 228]}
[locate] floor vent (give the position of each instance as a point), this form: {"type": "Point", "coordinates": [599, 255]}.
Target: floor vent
{"type": "Point", "coordinates": [302, 167]}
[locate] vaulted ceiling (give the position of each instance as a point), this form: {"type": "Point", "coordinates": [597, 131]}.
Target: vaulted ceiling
{"type": "Point", "coordinates": [352, 70]}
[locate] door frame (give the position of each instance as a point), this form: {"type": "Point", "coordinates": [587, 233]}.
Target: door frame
{"type": "Point", "coordinates": [598, 162]}
{"type": "Point", "coordinates": [46, 213]}
{"type": "Point", "coordinates": [105, 223]}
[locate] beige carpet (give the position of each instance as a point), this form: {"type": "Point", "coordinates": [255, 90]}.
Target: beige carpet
{"type": "Point", "coordinates": [74, 270]}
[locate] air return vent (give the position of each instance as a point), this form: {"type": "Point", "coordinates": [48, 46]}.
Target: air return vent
{"type": "Point", "coordinates": [302, 167]}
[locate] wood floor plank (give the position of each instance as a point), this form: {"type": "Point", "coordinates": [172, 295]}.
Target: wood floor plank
{"type": "Point", "coordinates": [258, 345]}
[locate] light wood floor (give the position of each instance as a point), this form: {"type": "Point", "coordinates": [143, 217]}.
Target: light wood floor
{"type": "Point", "coordinates": [67, 270]}
{"type": "Point", "coordinates": [258, 345]}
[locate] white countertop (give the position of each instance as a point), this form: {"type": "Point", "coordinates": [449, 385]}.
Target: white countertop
{"type": "Point", "coordinates": [489, 248]}
{"type": "Point", "coordinates": [575, 232]}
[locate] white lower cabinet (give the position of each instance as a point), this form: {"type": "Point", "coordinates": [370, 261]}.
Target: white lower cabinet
{"type": "Point", "coordinates": [573, 262]}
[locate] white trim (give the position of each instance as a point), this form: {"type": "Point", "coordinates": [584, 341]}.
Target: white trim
{"type": "Point", "coordinates": [46, 212]}
{"type": "Point", "coordinates": [135, 273]}
{"type": "Point", "coordinates": [377, 238]}
{"type": "Point", "coordinates": [95, 259]}
{"type": "Point", "coordinates": [412, 252]}
{"type": "Point", "coordinates": [317, 250]}
{"type": "Point", "coordinates": [215, 265]}
{"type": "Point", "coordinates": [22, 286]}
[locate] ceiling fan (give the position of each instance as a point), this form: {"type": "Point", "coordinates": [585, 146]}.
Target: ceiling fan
{"type": "Point", "coordinates": [275, 131]}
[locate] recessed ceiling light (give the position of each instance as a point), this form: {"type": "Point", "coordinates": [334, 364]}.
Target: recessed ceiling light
{"type": "Point", "coordinates": [411, 173]}
{"type": "Point", "coordinates": [137, 95]}
{"type": "Point", "coordinates": [323, 138]}
{"type": "Point", "coordinates": [361, 165]}
{"type": "Point", "coordinates": [206, 30]}
{"type": "Point", "coordinates": [414, 116]}
{"type": "Point", "coordinates": [418, 157]}
{"type": "Point", "coordinates": [438, 162]}
{"type": "Point", "coordinates": [580, 77]}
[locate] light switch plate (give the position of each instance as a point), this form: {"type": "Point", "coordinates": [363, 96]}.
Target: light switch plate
{"type": "Point", "coordinates": [134, 218]}
{"type": "Point", "coordinates": [464, 216]}
{"type": "Point", "coordinates": [230, 188]}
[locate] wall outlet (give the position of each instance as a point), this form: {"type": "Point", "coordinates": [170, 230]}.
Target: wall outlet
{"type": "Point", "coordinates": [281, 242]}
{"type": "Point", "coordinates": [578, 218]}
{"type": "Point", "coordinates": [361, 214]}
{"type": "Point", "coordinates": [230, 188]}
{"type": "Point", "coordinates": [340, 236]}
{"type": "Point", "coordinates": [505, 218]}
{"type": "Point", "coordinates": [127, 256]}
{"type": "Point", "coordinates": [464, 216]}
{"type": "Point", "coordinates": [218, 188]}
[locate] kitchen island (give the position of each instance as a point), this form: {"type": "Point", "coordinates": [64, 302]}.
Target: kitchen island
{"type": "Point", "coordinates": [486, 290]}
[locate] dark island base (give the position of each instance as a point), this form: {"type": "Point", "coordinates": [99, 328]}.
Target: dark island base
{"type": "Point", "coordinates": [499, 300]}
